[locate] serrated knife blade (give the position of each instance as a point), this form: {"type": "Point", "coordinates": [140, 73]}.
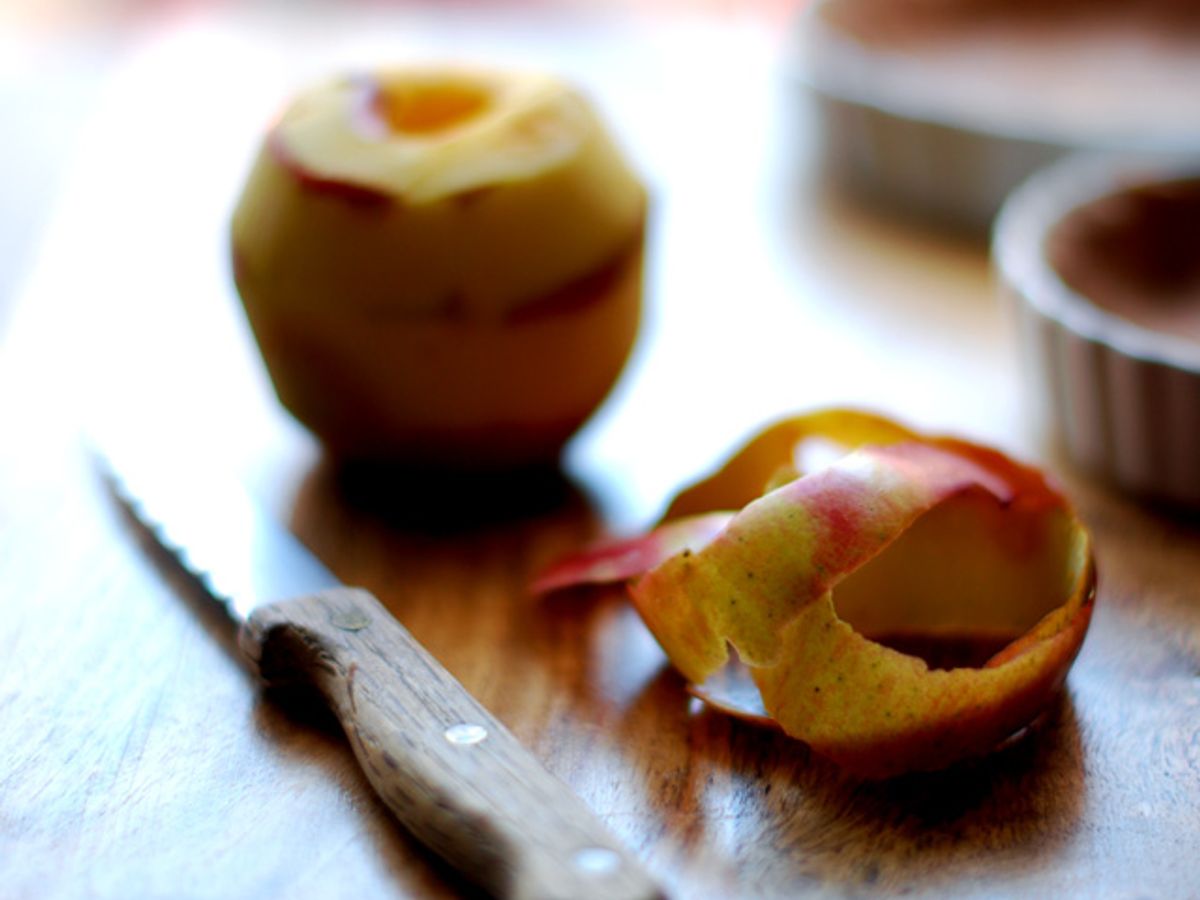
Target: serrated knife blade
{"type": "Point", "coordinates": [219, 535]}
{"type": "Point", "coordinates": [451, 773]}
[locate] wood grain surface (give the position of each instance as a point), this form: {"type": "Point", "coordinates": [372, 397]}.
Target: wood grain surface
{"type": "Point", "coordinates": [139, 757]}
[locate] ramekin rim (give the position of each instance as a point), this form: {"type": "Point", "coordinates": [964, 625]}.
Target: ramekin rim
{"type": "Point", "coordinates": [1034, 208]}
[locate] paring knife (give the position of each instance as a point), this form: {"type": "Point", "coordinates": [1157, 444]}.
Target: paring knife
{"type": "Point", "coordinates": [454, 776]}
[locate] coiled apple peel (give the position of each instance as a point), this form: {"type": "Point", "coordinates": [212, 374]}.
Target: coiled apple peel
{"type": "Point", "coordinates": [835, 584]}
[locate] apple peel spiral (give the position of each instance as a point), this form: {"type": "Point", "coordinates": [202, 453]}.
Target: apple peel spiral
{"type": "Point", "coordinates": [823, 580]}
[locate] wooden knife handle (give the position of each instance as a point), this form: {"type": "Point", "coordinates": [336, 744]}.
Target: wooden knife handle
{"type": "Point", "coordinates": [453, 775]}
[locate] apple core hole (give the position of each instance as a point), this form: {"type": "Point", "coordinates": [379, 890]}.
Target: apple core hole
{"type": "Point", "coordinates": [426, 109]}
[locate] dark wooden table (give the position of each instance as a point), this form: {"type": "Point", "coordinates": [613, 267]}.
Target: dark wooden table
{"type": "Point", "coordinates": [138, 758]}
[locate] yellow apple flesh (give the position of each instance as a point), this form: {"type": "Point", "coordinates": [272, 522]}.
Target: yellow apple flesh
{"type": "Point", "coordinates": [441, 264]}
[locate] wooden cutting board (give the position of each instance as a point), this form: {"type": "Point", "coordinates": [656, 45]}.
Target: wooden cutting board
{"type": "Point", "coordinates": [139, 759]}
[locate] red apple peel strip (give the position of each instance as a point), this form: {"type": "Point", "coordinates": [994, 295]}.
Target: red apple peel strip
{"type": "Point", "coordinates": [903, 535]}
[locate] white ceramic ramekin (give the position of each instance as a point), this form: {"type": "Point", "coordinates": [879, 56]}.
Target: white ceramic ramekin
{"type": "Point", "coordinates": [918, 163]}
{"type": "Point", "coordinates": [918, 148]}
{"type": "Point", "coordinates": [1123, 399]}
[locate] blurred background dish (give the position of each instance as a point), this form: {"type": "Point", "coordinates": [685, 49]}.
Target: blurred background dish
{"type": "Point", "coordinates": [1103, 258]}
{"type": "Point", "coordinates": [941, 108]}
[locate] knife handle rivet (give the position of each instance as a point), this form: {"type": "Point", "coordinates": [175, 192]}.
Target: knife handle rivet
{"type": "Point", "coordinates": [465, 733]}
{"type": "Point", "coordinates": [350, 621]}
{"type": "Point", "coordinates": [596, 860]}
